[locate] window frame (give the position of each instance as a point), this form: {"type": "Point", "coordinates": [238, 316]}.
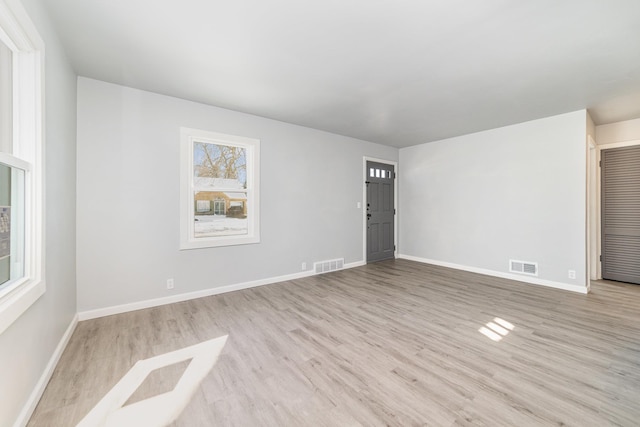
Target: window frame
{"type": "Point", "coordinates": [19, 34]}
{"type": "Point", "coordinates": [188, 136]}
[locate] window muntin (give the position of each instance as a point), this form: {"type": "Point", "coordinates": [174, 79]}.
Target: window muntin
{"type": "Point", "coordinates": [219, 189]}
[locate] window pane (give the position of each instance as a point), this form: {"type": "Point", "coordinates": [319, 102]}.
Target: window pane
{"type": "Point", "coordinates": [226, 214]}
{"type": "Point", "coordinates": [11, 224]}
{"type": "Point", "coordinates": [219, 166]}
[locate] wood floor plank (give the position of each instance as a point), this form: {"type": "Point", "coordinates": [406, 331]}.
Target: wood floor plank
{"type": "Point", "coordinates": [393, 343]}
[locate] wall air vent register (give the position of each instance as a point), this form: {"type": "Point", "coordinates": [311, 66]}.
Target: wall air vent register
{"type": "Point", "coordinates": [523, 267]}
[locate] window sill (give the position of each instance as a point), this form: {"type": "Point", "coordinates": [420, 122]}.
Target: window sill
{"type": "Point", "coordinates": [216, 243]}
{"type": "Point", "coordinates": [18, 301]}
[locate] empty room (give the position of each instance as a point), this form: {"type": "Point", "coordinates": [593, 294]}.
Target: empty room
{"type": "Point", "coordinates": [288, 213]}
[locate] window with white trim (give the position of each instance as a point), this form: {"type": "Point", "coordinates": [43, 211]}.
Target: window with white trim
{"type": "Point", "coordinates": [219, 189]}
{"type": "Point", "coordinates": [21, 164]}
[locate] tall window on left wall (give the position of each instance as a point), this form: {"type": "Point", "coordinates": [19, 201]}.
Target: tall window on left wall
{"type": "Point", "coordinates": [21, 164]}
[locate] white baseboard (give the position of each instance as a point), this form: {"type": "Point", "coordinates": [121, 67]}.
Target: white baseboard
{"type": "Point", "coordinates": [36, 394]}
{"type": "Point", "coordinates": [354, 264]}
{"type": "Point", "coordinates": [124, 308]}
{"type": "Point", "coordinates": [532, 280]}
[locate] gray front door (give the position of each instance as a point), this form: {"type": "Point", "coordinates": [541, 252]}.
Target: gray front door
{"type": "Point", "coordinates": [621, 214]}
{"type": "Point", "coordinates": [380, 211]}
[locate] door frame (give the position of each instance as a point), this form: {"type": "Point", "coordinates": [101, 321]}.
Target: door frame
{"type": "Point", "coordinates": [363, 206]}
{"type": "Point", "coordinates": [594, 212]}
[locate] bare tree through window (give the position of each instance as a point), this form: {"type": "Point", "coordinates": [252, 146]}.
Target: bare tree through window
{"type": "Point", "coordinates": [220, 161]}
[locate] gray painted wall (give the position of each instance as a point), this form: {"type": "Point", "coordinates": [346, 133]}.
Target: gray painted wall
{"type": "Point", "coordinates": [516, 192]}
{"type": "Point", "coordinates": [27, 345]}
{"type": "Point", "coordinates": [128, 192]}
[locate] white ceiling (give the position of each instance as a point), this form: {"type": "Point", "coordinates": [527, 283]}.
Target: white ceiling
{"type": "Point", "coordinates": [397, 72]}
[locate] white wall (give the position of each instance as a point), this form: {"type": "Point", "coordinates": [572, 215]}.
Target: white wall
{"type": "Point", "coordinates": [28, 344]}
{"type": "Point", "coordinates": [128, 192]}
{"type": "Point", "coordinates": [628, 130]}
{"type": "Point", "coordinates": [516, 192]}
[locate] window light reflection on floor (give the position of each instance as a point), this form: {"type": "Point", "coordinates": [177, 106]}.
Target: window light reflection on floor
{"type": "Point", "coordinates": [496, 329]}
{"type": "Point", "coordinates": [162, 409]}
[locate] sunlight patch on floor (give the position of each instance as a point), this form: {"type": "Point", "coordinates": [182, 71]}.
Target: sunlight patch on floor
{"type": "Point", "coordinates": [161, 409]}
{"type": "Point", "coordinates": [496, 329]}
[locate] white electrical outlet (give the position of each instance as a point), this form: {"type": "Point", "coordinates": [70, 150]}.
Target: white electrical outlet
{"type": "Point", "coordinates": [304, 266]}
{"type": "Point", "coordinates": [169, 283]}
{"type": "Point", "coordinates": [359, 205]}
{"type": "Point", "coordinates": [572, 274]}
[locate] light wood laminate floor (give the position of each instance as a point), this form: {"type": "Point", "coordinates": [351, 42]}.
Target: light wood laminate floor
{"type": "Point", "coordinates": [393, 343]}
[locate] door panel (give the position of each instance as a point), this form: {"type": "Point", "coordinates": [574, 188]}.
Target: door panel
{"type": "Point", "coordinates": [373, 192]}
{"type": "Point", "coordinates": [374, 241]}
{"type": "Point", "coordinates": [387, 237]}
{"type": "Point", "coordinates": [621, 214]}
{"type": "Point", "coordinates": [380, 211]}
{"type": "Point", "coordinates": [387, 197]}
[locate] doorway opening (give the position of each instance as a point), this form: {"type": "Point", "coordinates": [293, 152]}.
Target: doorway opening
{"type": "Point", "coordinates": [620, 214]}
{"type": "Point", "coordinates": [614, 203]}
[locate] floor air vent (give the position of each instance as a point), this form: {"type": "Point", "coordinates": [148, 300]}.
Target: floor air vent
{"type": "Point", "coordinates": [326, 266]}
{"type": "Point", "coordinates": [523, 267]}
